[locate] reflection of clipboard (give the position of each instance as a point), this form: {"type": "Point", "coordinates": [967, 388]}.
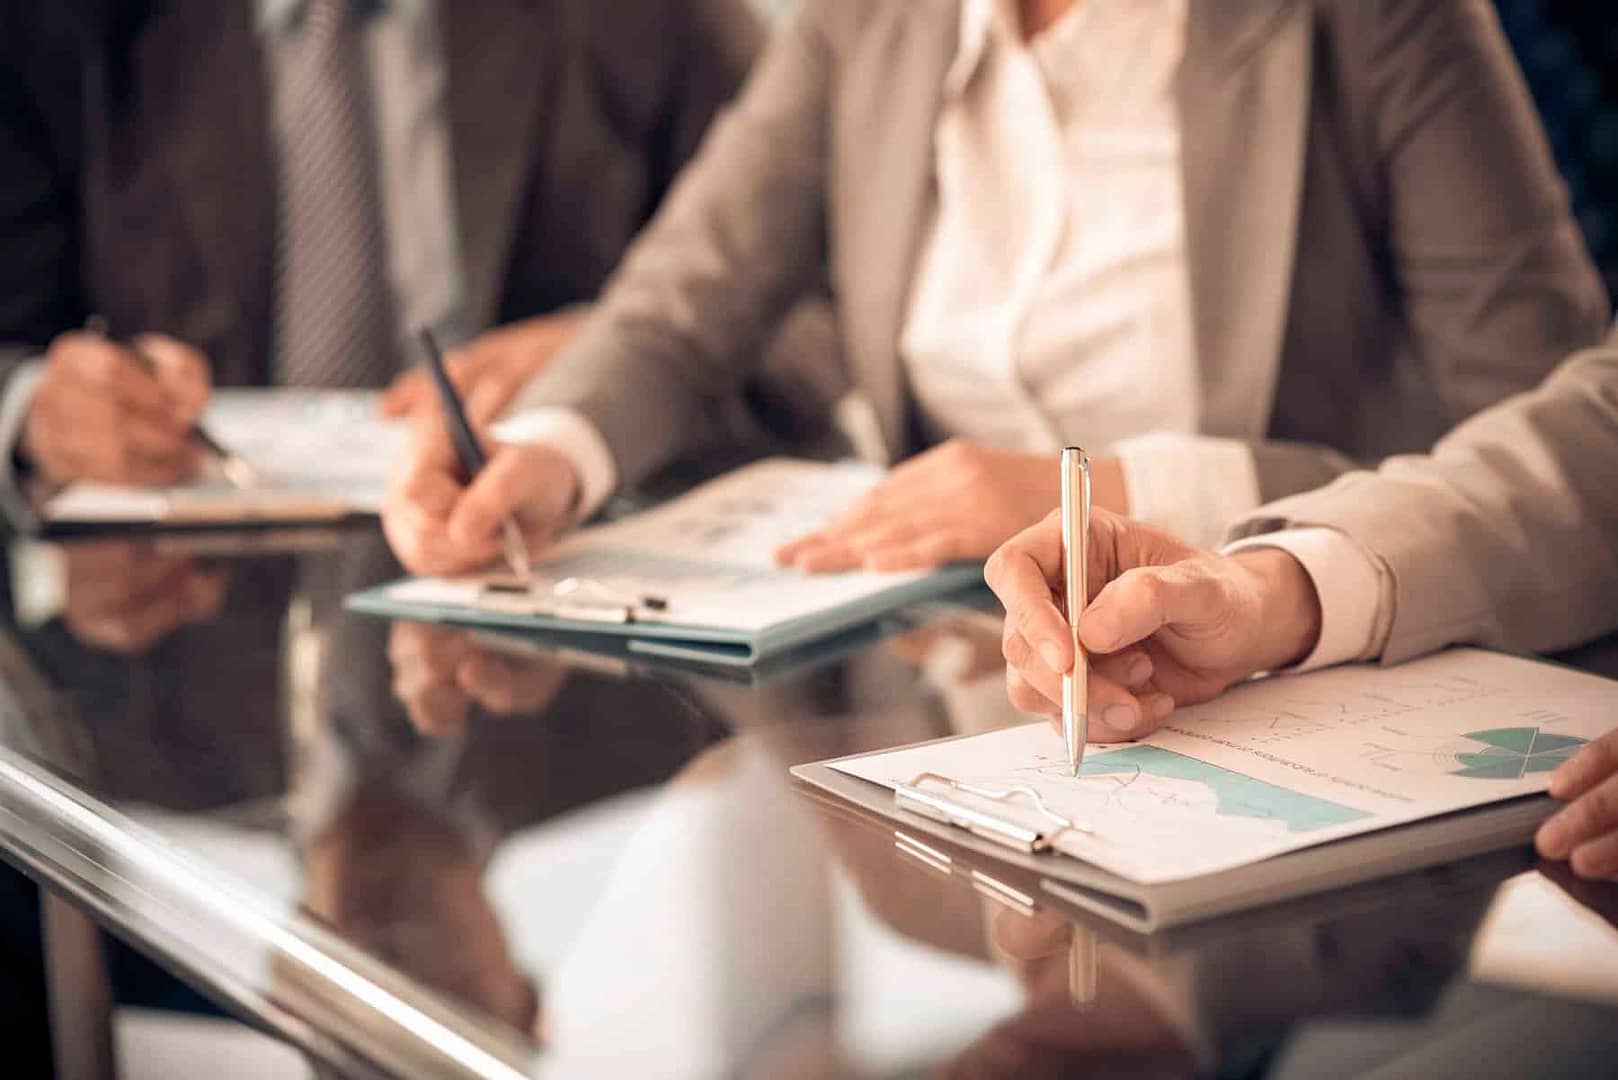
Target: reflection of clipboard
{"type": "Point", "coordinates": [612, 655]}
{"type": "Point", "coordinates": [1150, 908]}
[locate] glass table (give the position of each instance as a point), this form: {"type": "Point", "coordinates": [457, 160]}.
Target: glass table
{"type": "Point", "coordinates": [411, 850]}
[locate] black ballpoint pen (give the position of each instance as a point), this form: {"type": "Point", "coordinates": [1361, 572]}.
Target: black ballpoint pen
{"type": "Point", "coordinates": [470, 451]}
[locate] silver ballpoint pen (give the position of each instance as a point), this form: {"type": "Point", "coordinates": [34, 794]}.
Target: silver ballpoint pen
{"type": "Point", "coordinates": [1075, 593]}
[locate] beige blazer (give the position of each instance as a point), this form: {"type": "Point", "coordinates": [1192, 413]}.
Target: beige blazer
{"type": "Point", "coordinates": [1379, 243]}
{"type": "Point", "coordinates": [1506, 535]}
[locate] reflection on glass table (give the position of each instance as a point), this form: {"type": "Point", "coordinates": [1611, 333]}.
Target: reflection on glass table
{"type": "Point", "coordinates": [409, 851]}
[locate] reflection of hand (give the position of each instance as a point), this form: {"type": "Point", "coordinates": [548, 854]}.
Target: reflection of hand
{"type": "Point", "coordinates": [439, 525]}
{"type": "Point", "coordinates": [439, 674]}
{"type": "Point", "coordinates": [958, 501]}
{"type": "Point", "coordinates": [123, 597]}
{"type": "Point", "coordinates": [489, 371]}
{"type": "Point", "coordinates": [980, 646]}
{"type": "Point", "coordinates": [1120, 1032]}
{"type": "Point", "coordinates": [99, 415]}
{"type": "Point", "coordinates": [1202, 622]}
{"type": "Point", "coordinates": [1586, 831]}
{"type": "Point", "coordinates": [1036, 946]}
{"type": "Point", "coordinates": [400, 883]}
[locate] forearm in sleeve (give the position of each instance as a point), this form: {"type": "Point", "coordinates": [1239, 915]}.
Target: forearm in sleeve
{"type": "Point", "coordinates": [1506, 535]}
{"type": "Point", "coordinates": [741, 236]}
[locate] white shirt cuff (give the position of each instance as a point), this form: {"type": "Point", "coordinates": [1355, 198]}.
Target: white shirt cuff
{"type": "Point", "coordinates": [1194, 486]}
{"type": "Point", "coordinates": [38, 582]}
{"type": "Point", "coordinates": [19, 396]}
{"type": "Point", "coordinates": [1355, 590]}
{"type": "Point", "coordinates": [570, 434]}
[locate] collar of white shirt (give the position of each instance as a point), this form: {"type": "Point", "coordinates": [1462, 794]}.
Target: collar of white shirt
{"type": "Point", "coordinates": [999, 21]}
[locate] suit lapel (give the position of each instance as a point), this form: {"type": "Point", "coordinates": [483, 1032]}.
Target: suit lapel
{"type": "Point", "coordinates": [884, 192]}
{"type": "Point", "coordinates": [207, 118]}
{"type": "Point", "coordinates": [499, 54]}
{"type": "Point", "coordinates": [1244, 108]}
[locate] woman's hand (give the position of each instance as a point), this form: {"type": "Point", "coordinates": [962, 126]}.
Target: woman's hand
{"type": "Point", "coordinates": [954, 503]}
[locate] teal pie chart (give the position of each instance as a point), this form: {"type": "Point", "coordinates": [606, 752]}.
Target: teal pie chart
{"type": "Point", "coordinates": [1512, 753]}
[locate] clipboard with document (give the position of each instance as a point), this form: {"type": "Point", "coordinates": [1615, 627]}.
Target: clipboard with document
{"type": "Point", "coordinates": [693, 578]}
{"type": "Point", "coordinates": [1281, 788]}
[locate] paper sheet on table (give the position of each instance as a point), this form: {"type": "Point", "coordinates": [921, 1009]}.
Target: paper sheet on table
{"type": "Point", "coordinates": [1285, 763]}
{"type": "Point", "coordinates": [710, 552]}
{"type": "Point", "coordinates": [317, 454]}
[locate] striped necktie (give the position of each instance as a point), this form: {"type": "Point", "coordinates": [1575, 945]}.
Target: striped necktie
{"type": "Point", "coordinates": [333, 310]}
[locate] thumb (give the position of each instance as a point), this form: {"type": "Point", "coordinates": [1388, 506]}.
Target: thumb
{"type": "Point", "coordinates": [1144, 600]}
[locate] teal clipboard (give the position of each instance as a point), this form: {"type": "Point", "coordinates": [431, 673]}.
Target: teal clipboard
{"type": "Point", "coordinates": [704, 644]}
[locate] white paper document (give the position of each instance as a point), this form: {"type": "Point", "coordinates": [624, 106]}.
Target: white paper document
{"type": "Point", "coordinates": [709, 555]}
{"type": "Point", "coordinates": [1283, 763]}
{"type": "Point", "coordinates": [316, 454]}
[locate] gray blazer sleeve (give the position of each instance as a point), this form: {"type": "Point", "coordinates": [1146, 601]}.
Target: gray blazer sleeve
{"type": "Point", "coordinates": [1507, 534]}
{"type": "Point", "coordinates": [1488, 266]}
{"type": "Point", "coordinates": [740, 237]}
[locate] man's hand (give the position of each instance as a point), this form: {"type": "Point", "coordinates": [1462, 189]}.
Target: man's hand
{"type": "Point", "coordinates": [955, 502]}
{"type": "Point", "coordinates": [440, 526]}
{"type": "Point", "coordinates": [490, 370]}
{"type": "Point", "coordinates": [124, 597]}
{"type": "Point", "coordinates": [1174, 624]}
{"type": "Point", "coordinates": [1586, 832]}
{"type": "Point", "coordinates": [439, 674]}
{"type": "Point", "coordinates": [98, 414]}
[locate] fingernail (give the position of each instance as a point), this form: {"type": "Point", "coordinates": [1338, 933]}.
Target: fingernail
{"type": "Point", "coordinates": [1052, 655]}
{"type": "Point", "coordinates": [1162, 705]}
{"type": "Point", "coordinates": [1550, 839]}
{"type": "Point", "coordinates": [1123, 719]}
{"type": "Point", "coordinates": [1140, 671]}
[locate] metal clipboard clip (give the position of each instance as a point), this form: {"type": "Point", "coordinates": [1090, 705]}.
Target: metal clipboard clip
{"type": "Point", "coordinates": [939, 806]}
{"type": "Point", "coordinates": [579, 599]}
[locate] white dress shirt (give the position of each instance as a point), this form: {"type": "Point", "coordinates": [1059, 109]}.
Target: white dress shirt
{"type": "Point", "coordinates": [1052, 305]}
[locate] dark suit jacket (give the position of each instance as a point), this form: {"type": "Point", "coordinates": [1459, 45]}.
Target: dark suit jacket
{"type": "Point", "coordinates": [138, 181]}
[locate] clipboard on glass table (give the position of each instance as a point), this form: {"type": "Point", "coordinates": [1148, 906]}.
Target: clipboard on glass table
{"type": "Point", "coordinates": [692, 579]}
{"type": "Point", "coordinates": [1280, 788]}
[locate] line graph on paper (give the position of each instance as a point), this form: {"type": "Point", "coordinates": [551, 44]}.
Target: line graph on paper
{"type": "Point", "coordinates": [1282, 718]}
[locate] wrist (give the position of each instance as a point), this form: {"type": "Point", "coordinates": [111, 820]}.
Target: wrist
{"type": "Point", "coordinates": [1289, 615]}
